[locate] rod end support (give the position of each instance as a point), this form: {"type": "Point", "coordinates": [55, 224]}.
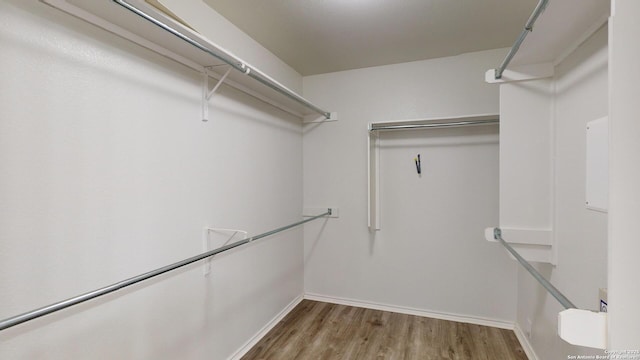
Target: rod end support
{"type": "Point", "coordinates": [497, 74]}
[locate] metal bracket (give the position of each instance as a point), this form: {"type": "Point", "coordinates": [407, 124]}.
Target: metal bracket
{"type": "Point", "coordinates": [320, 118]}
{"type": "Point", "coordinates": [333, 212]}
{"type": "Point", "coordinates": [215, 238]}
{"type": "Point", "coordinates": [207, 94]}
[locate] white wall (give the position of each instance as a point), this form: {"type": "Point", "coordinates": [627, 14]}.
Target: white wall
{"type": "Point", "coordinates": [624, 201]}
{"type": "Point", "coordinates": [580, 96]}
{"type": "Point", "coordinates": [108, 172]}
{"type": "Point", "coordinates": [526, 171]}
{"type": "Point", "coordinates": [525, 110]}
{"type": "Point", "coordinates": [430, 254]}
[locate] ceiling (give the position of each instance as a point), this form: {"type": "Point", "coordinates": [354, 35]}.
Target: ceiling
{"type": "Point", "coordinates": [320, 36]}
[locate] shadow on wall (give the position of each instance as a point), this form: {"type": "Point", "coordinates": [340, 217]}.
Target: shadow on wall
{"type": "Point", "coordinates": [291, 123]}
{"type": "Point", "coordinates": [315, 241]}
{"type": "Point", "coordinates": [542, 297]}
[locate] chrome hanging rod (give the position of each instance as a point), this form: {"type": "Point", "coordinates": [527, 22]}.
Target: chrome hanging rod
{"type": "Point", "coordinates": [60, 305]}
{"type": "Point", "coordinates": [497, 234]}
{"type": "Point", "coordinates": [227, 58]}
{"type": "Point", "coordinates": [375, 127]}
{"type": "Point", "coordinates": [528, 27]}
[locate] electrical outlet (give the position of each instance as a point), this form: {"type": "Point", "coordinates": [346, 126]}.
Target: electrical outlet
{"type": "Point", "coordinates": [603, 300]}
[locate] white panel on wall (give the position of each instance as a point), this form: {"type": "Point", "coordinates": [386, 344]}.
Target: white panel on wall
{"type": "Point", "coordinates": [526, 168]}
{"type": "Point", "coordinates": [597, 179]}
{"type": "Point", "coordinates": [525, 154]}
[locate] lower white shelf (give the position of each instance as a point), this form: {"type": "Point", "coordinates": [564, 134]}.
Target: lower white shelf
{"type": "Point", "coordinates": [535, 245]}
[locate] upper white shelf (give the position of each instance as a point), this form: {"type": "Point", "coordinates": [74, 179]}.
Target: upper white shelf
{"type": "Point", "coordinates": [560, 29]}
{"type": "Point", "coordinates": [147, 26]}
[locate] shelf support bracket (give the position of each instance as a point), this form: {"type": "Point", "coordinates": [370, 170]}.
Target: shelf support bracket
{"type": "Point", "coordinates": [207, 94]}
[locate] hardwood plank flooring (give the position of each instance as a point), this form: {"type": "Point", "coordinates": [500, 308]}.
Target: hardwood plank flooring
{"type": "Point", "coordinates": [317, 330]}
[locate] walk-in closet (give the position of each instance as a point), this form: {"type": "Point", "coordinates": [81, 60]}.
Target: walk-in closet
{"type": "Point", "coordinates": [319, 179]}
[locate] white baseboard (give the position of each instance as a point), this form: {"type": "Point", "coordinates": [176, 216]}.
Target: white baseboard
{"type": "Point", "coordinates": [524, 342]}
{"type": "Point", "coordinates": [412, 311]}
{"type": "Point", "coordinates": [265, 329]}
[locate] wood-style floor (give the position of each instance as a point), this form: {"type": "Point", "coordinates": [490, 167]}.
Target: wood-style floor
{"type": "Point", "coordinates": [317, 330]}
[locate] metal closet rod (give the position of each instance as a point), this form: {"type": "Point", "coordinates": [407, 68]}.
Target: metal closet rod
{"type": "Point", "coordinates": [528, 27]}
{"type": "Point", "coordinates": [563, 300]}
{"type": "Point", "coordinates": [60, 305]}
{"type": "Point", "coordinates": [228, 59]}
{"type": "Point", "coordinates": [375, 127]}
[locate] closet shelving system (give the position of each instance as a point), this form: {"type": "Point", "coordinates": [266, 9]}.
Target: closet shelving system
{"type": "Point", "coordinates": [551, 43]}
{"type": "Point", "coordinates": [79, 299]}
{"type": "Point", "coordinates": [373, 150]}
{"type": "Point", "coordinates": [148, 26]}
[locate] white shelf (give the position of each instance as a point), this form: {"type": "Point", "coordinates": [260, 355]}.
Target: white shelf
{"type": "Point", "coordinates": [167, 37]}
{"type": "Point", "coordinates": [560, 29]}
